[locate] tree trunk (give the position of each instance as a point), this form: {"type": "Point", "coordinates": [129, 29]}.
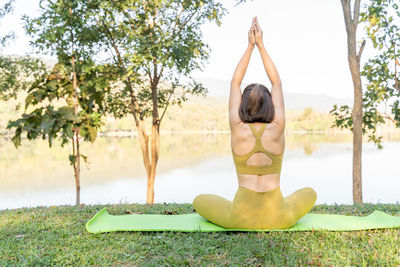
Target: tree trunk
{"type": "Point", "coordinates": [155, 138]}
{"type": "Point", "coordinates": [75, 138]}
{"type": "Point", "coordinates": [155, 148]}
{"type": "Point", "coordinates": [357, 113]}
{"type": "Point", "coordinates": [144, 145]}
{"type": "Point", "coordinates": [77, 166]}
{"type": "Point", "coordinates": [150, 166]}
{"type": "Point", "coordinates": [77, 155]}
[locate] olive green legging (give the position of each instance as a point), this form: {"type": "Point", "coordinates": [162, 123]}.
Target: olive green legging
{"type": "Point", "coordinates": [256, 210]}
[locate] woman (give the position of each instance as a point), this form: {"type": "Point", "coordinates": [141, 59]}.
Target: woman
{"type": "Point", "coordinates": [257, 123]}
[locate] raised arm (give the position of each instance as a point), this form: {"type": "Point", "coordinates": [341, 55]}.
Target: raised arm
{"type": "Point", "coordinates": [276, 88]}
{"type": "Point", "coordinates": [235, 95]}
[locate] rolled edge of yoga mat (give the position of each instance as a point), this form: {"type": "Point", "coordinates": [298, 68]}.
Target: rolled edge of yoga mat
{"type": "Point", "coordinates": [102, 221]}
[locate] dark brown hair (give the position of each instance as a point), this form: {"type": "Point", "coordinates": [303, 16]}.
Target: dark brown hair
{"type": "Point", "coordinates": [256, 104]}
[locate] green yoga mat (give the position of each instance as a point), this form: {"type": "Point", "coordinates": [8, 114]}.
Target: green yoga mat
{"type": "Point", "coordinates": [193, 222]}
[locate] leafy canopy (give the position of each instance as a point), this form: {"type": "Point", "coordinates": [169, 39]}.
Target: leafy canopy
{"type": "Point", "coordinates": [71, 94]}
{"type": "Point", "coordinates": [158, 44]}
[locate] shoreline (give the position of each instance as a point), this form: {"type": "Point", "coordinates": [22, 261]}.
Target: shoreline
{"type": "Point", "coordinates": [216, 132]}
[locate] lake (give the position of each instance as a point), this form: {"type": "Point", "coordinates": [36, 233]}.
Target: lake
{"type": "Point", "coordinates": [190, 164]}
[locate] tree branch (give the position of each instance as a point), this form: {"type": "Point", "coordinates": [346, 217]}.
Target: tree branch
{"type": "Point", "coordinates": [346, 12]}
{"type": "Point", "coordinates": [134, 105]}
{"type": "Point", "coordinates": [356, 12]}
{"type": "Point", "coordinates": [386, 116]}
{"type": "Point", "coordinates": [361, 50]}
{"type": "Point", "coordinates": [114, 45]}
{"type": "Point", "coordinates": [186, 22]}
{"type": "Point", "coordinates": [154, 72]}
{"type": "Point", "coordinates": [178, 17]}
{"type": "Point", "coordinates": [166, 106]}
{"type": "Point", "coordinates": [159, 74]}
{"type": "Point", "coordinates": [149, 74]}
{"type": "Point", "coordinates": [132, 22]}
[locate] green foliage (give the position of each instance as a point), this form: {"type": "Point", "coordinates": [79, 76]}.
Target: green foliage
{"type": "Point", "coordinates": [64, 29]}
{"type": "Point", "coordinates": [381, 19]}
{"type": "Point", "coordinates": [50, 120]}
{"type": "Point", "coordinates": [17, 73]}
{"type": "Point", "coordinates": [343, 118]}
{"type": "Point", "coordinates": [70, 97]}
{"type": "Point", "coordinates": [157, 45]}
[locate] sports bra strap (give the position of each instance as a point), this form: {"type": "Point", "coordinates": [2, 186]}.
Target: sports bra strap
{"type": "Point", "coordinates": [260, 132]}
{"type": "Point", "coordinates": [241, 160]}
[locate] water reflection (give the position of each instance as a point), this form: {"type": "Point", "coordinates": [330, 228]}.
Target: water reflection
{"type": "Point", "coordinates": [189, 165]}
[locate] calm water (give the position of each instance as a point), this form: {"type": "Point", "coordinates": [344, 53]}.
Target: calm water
{"type": "Point", "coordinates": [35, 175]}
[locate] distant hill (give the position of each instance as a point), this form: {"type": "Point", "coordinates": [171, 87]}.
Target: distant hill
{"type": "Point", "coordinates": [219, 89]}
{"type": "Point", "coordinates": [218, 92]}
{"type": "Point", "coordinates": [47, 61]}
{"type": "Point", "coordinates": [320, 102]}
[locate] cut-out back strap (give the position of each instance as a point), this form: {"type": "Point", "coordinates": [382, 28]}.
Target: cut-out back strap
{"type": "Point", "coordinates": [241, 160]}
{"type": "Point", "coordinates": [260, 131]}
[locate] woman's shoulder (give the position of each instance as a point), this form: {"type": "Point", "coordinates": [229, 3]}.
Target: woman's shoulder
{"type": "Point", "coordinates": [243, 138]}
{"type": "Point", "coordinates": [244, 129]}
{"type": "Point", "coordinates": [257, 125]}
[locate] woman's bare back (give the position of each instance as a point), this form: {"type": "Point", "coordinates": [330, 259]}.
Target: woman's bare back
{"type": "Point", "coordinates": [243, 141]}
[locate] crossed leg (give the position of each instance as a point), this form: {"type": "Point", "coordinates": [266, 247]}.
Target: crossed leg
{"type": "Point", "coordinates": [300, 202]}
{"type": "Point", "coordinates": [215, 208]}
{"type": "Point", "coordinates": [218, 210]}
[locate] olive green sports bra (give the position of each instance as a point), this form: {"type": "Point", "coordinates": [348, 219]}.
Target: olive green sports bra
{"type": "Point", "coordinates": [241, 160]}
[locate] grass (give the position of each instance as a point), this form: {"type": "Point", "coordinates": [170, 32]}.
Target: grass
{"type": "Point", "coordinates": [57, 236]}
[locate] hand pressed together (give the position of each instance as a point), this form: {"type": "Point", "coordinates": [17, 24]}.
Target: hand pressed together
{"type": "Point", "coordinates": [255, 33]}
{"type": "Point", "coordinates": [258, 33]}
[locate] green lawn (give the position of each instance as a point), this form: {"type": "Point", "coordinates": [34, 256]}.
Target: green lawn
{"type": "Point", "coordinates": [57, 236]}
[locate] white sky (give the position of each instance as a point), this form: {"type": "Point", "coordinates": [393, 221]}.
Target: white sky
{"type": "Point", "coordinates": [305, 39]}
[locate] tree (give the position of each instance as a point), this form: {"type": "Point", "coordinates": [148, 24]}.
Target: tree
{"type": "Point", "coordinates": [383, 84]}
{"type": "Point", "coordinates": [67, 101]}
{"type": "Point", "coordinates": [156, 44]}
{"type": "Point", "coordinates": [351, 19]}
